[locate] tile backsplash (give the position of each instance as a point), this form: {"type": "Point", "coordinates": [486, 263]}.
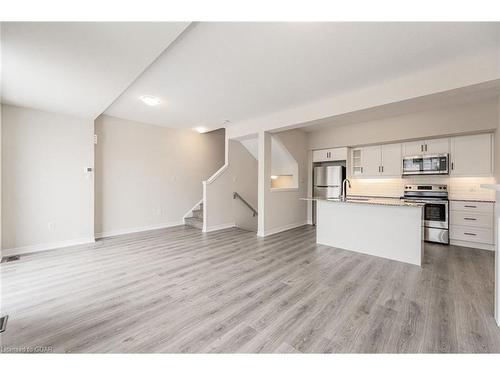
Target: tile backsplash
{"type": "Point", "coordinates": [458, 187]}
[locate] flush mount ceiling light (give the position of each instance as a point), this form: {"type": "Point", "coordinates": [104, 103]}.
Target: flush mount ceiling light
{"type": "Point", "coordinates": [274, 177]}
{"type": "Point", "coordinates": [150, 100]}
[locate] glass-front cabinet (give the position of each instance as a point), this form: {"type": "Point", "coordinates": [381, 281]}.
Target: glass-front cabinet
{"type": "Point", "coordinates": [356, 162]}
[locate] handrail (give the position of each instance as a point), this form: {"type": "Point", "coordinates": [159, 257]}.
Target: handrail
{"type": "Point", "coordinates": [254, 211]}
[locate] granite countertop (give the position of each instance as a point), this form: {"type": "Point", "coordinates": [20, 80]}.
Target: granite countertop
{"type": "Point", "coordinates": [370, 200]}
{"type": "Point", "coordinates": [458, 199]}
{"type": "Point", "coordinates": [472, 200]}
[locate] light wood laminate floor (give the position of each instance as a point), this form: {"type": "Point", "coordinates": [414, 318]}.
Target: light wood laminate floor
{"type": "Point", "coordinates": [179, 290]}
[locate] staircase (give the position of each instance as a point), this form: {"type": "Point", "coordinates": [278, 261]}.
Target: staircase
{"type": "Point", "coordinates": [195, 220]}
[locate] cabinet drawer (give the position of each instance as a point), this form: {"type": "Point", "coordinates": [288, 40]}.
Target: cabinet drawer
{"type": "Point", "coordinates": [482, 207]}
{"type": "Point", "coordinates": [471, 234]}
{"type": "Point", "coordinates": [471, 219]}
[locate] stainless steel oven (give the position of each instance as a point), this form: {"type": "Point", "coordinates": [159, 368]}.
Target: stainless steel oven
{"type": "Point", "coordinates": [425, 164]}
{"type": "Point", "coordinates": [436, 210]}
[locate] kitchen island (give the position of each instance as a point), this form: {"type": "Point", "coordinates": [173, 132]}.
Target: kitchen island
{"type": "Point", "coordinates": [388, 228]}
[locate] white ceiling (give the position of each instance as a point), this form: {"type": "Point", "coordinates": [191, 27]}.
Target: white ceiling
{"type": "Point", "coordinates": [237, 71]}
{"type": "Point", "coordinates": [77, 68]}
{"type": "Point", "coordinates": [460, 96]}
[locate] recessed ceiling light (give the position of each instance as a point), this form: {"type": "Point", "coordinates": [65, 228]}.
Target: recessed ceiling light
{"type": "Point", "coordinates": [150, 100]}
{"type": "Point", "coordinates": [201, 129]}
{"type": "Point", "coordinates": [274, 177]}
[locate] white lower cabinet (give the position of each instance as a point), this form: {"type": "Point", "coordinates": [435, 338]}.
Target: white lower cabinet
{"type": "Point", "coordinates": [471, 224]}
{"type": "Point", "coordinates": [470, 219]}
{"type": "Point", "coordinates": [472, 235]}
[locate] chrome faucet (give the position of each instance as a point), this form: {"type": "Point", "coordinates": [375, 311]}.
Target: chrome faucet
{"type": "Point", "coordinates": [344, 189]}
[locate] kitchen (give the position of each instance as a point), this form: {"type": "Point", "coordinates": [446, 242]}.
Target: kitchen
{"type": "Point", "coordinates": [441, 174]}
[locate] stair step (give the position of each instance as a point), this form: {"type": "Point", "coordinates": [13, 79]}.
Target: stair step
{"type": "Point", "coordinates": [194, 222]}
{"type": "Point", "coordinates": [198, 214]}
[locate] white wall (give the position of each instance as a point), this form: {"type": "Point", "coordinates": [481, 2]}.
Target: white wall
{"type": "Point", "coordinates": [472, 117]}
{"type": "Point", "coordinates": [149, 176]}
{"type": "Point", "coordinates": [282, 209]}
{"type": "Point", "coordinates": [47, 196]}
{"type": "Point", "coordinates": [240, 175]}
{"type": "Point", "coordinates": [497, 223]}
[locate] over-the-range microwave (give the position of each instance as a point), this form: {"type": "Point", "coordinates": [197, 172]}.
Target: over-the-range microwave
{"type": "Point", "coordinates": [425, 164]}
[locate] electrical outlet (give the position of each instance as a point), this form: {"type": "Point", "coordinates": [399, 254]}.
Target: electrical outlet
{"type": "Point", "coordinates": [52, 226]}
{"type": "Point", "coordinates": [157, 211]}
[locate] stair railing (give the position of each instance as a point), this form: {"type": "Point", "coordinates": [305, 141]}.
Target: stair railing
{"type": "Point", "coordinates": [254, 211]}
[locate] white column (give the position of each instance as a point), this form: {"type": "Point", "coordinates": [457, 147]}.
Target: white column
{"type": "Point", "coordinates": [264, 168]}
{"type": "Point", "coordinates": [497, 258]}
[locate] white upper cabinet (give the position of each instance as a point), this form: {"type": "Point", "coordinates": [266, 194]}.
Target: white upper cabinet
{"type": "Point", "coordinates": [437, 146]}
{"type": "Point", "coordinates": [331, 154]}
{"type": "Point", "coordinates": [371, 159]}
{"type": "Point", "coordinates": [413, 148]}
{"type": "Point", "coordinates": [356, 162]}
{"type": "Point", "coordinates": [376, 161]}
{"type": "Point", "coordinates": [471, 155]}
{"type": "Point", "coordinates": [391, 160]}
{"type": "Point", "coordinates": [427, 147]}
{"type": "Point", "coordinates": [320, 155]}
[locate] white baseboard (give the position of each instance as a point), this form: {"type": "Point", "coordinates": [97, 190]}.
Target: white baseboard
{"type": "Point", "coordinates": [281, 229]}
{"type": "Point", "coordinates": [473, 245]}
{"type": "Point", "coordinates": [119, 232]}
{"type": "Point", "coordinates": [46, 246]}
{"type": "Point", "coordinates": [219, 227]}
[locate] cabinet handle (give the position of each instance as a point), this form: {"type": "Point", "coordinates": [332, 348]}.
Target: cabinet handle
{"type": "Point", "coordinates": [421, 148]}
{"type": "Point", "coordinates": [361, 169]}
{"type": "Point", "coordinates": [469, 218]}
{"type": "Point", "coordinates": [452, 165]}
{"type": "Point", "coordinates": [470, 234]}
{"type": "Point", "coordinates": [382, 169]}
{"type": "Point", "coordinates": [426, 148]}
{"type": "Point", "coordinates": [379, 169]}
{"type": "Point", "coordinates": [470, 206]}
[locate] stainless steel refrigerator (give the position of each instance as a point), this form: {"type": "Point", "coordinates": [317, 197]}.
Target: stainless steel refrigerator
{"type": "Point", "coordinates": [327, 183]}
